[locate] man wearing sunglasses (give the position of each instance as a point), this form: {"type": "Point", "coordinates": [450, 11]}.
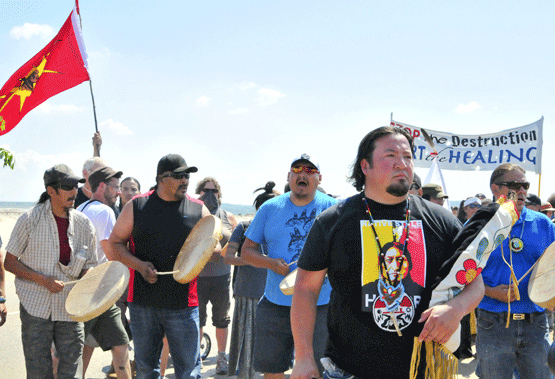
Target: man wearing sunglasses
{"type": "Point", "coordinates": [147, 237]}
{"type": "Point", "coordinates": [282, 224]}
{"type": "Point", "coordinates": [107, 330]}
{"type": "Point", "coordinates": [524, 344]}
{"type": "Point", "coordinates": [51, 244]}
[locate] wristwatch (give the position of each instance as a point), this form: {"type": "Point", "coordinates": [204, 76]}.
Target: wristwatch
{"type": "Point", "coordinates": [2, 300]}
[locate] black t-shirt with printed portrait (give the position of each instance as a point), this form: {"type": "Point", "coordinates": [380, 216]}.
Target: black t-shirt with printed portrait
{"type": "Point", "coordinates": [369, 286]}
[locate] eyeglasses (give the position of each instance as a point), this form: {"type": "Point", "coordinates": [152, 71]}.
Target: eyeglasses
{"type": "Point", "coordinates": [67, 187]}
{"type": "Point", "coordinates": [308, 170]}
{"type": "Point", "coordinates": [415, 186]}
{"type": "Point", "coordinates": [116, 187]}
{"type": "Point", "coordinates": [213, 190]}
{"type": "Point", "coordinates": [177, 176]}
{"type": "Point", "coordinates": [474, 206]}
{"type": "Point", "coordinates": [515, 186]}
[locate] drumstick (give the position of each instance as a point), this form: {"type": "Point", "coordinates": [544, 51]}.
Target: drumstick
{"type": "Point", "coordinates": [167, 272]}
{"type": "Point", "coordinates": [292, 263]}
{"type": "Point", "coordinates": [531, 268]}
{"type": "Point", "coordinates": [75, 281]}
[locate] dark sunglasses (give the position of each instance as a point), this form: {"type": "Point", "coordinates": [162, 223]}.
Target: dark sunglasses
{"type": "Point", "coordinates": [67, 187]}
{"type": "Point", "coordinates": [415, 186]}
{"type": "Point", "coordinates": [515, 186]}
{"type": "Point", "coordinates": [213, 190]}
{"type": "Point", "coordinates": [177, 176]}
{"type": "Point", "coordinates": [474, 206]}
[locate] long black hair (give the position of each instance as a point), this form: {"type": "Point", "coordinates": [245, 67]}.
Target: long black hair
{"type": "Point", "coordinates": [268, 193]}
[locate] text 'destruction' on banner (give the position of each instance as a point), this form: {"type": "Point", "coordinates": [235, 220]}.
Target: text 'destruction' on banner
{"type": "Point", "coordinates": [484, 152]}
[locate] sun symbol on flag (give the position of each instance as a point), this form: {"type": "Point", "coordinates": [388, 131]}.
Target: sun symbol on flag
{"type": "Point", "coordinates": [28, 84]}
{"type": "Point", "coordinates": [470, 272]}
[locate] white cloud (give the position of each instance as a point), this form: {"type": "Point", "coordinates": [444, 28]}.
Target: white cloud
{"type": "Point", "coordinates": [49, 108]}
{"type": "Point", "coordinates": [239, 111]}
{"type": "Point", "coordinates": [246, 85]}
{"type": "Point", "coordinates": [33, 160]}
{"type": "Point", "coordinates": [268, 96]}
{"type": "Point", "coordinates": [116, 127]}
{"type": "Point", "coordinates": [467, 108]}
{"type": "Point", "coordinates": [99, 54]}
{"type": "Point", "coordinates": [203, 101]}
{"type": "Point", "coordinates": [29, 30]}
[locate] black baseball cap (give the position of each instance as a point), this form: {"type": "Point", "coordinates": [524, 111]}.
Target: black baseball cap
{"type": "Point", "coordinates": [174, 163]}
{"type": "Point", "coordinates": [102, 175]}
{"type": "Point", "coordinates": [533, 199]}
{"type": "Point", "coordinates": [416, 180]}
{"type": "Point", "coordinates": [61, 174]}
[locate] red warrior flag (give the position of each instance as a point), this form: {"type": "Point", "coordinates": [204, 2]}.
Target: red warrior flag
{"type": "Point", "coordinates": [61, 65]}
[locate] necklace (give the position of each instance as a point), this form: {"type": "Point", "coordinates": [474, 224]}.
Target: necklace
{"type": "Point", "coordinates": [515, 243]}
{"type": "Point", "coordinates": [377, 238]}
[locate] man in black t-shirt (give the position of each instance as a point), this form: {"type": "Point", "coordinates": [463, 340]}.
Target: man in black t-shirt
{"type": "Point", "coordinates": [382, 251]}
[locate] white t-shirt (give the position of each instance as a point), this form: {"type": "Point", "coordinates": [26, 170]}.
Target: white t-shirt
{"type": "Point", "coordinates": [103, 219]}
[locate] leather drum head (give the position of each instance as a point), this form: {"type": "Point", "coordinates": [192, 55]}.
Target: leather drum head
{"type": "Point", "coordinates": [197, 249]}
{"type": "Point", "coordinates": [90, 298]}
{"type": "Point", "coordinates": [287, 285]}
{"type": "Point", "coordinates": [541, 287]}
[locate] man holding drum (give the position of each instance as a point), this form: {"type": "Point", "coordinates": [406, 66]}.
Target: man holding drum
{"type": "Point", "coordinates": [378, 307]}
{"type": "Point", "coordinates": [525, 342]}
{"type": "Point", "coordinates": [51, 244]}
{"type": "Point", "coordinates": [147, 237]}
{"type": "Point", "coordinates": [107, 329]}
{"type": "Point", "coordinates": [282, 224]}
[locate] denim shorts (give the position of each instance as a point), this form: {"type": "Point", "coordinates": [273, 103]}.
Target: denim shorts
{"type": "Point", "coordinates": [273, 341]}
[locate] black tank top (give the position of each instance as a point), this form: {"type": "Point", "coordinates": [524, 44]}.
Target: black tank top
{"type": "Point", "coordinates": [159, 230]}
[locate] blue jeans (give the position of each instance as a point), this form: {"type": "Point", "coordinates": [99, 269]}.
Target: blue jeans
{"type": "Point", "coordinates": [523, 345]}
{"type": "Point", "coordinates": [181, 327]}
{"type": "Point", "coordinates": [37, 335]}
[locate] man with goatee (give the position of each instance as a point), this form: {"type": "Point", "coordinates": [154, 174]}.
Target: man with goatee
{"type": "Point", "coordinates": [147, 237]}
{"type": "Point", "coordinates": [282, 224]}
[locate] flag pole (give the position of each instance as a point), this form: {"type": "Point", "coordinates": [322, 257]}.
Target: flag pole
{"type": "Point", "coordinates": [90, 80]}
{"type": "Point", "coordinates": [94, 106]}
{"type": "Point", "coordinates": [540, 185]}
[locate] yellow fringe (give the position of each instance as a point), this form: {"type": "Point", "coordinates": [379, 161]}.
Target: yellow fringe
{"type": "Point", "coordinates": [440, 363]}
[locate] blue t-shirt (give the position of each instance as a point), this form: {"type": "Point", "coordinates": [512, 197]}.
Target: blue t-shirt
{"type": "Point", "coordinates": [283, 227]}
{"type": "Point", "coordinates": [539, 233]}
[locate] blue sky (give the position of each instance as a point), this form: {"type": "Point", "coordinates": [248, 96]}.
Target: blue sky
{"type": "Point", "coordinates": [241, 87]}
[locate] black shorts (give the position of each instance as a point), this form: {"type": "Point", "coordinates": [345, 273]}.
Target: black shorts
{"type": "Point", "coordinates": [216, 290]}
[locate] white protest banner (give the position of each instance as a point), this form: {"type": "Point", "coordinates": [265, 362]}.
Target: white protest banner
{"type": "Point", "coordinates": [484, 152]}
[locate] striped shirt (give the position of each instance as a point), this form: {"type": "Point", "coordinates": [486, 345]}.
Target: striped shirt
{"type": "Point", "coordinates": [34, 241]}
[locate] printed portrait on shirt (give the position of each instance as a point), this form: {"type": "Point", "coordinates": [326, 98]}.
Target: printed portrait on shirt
{"type": "Point", "coordinates": [393, 271]}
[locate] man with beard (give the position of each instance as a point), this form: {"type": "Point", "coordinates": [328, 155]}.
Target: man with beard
{"type": "Point", "coordinates": [215, 277]}
{"type": "Point", "coordinates": [51, 244]}
{"type": "Point", "coordinates": [372, 325]}
{"type": "Point", "coordinates": [106, 330]}
{"type": "Point", "coordinates": [282, 224]}
{"type": "Point", "coordinates": [525, 342]}
{"type": "Point", "coordinates": [147, 237]}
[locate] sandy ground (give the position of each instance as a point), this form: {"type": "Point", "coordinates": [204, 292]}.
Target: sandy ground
{"type": "Point", "coordinates": [12, 361]}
